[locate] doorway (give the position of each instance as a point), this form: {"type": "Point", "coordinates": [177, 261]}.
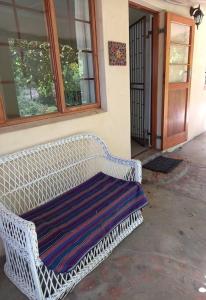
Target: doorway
{"type": "Point", "coordinates": [143, 29]}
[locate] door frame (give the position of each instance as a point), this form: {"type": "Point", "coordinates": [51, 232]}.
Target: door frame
{"type": "Point", "coordinates": [155, 70]}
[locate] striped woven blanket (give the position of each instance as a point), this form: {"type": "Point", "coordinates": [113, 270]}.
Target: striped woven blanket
{"type": "Point", "coordinates": [69, 226]}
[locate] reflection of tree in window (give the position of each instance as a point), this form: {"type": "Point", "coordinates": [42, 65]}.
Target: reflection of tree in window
{"type": "Point", "coordinates": [33, 77]}
{"type": "Point", "coordinates": [28, 53]}
{"type": "Point", "coordinates": [73, 24]}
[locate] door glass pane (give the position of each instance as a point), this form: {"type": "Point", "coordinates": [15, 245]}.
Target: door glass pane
{"type": "Point", "coordinates": [26, 79]}
{"type": "Point", "coordinates": [180, 33]}
{"type": "Point", "coordinates": [178, 73]}
{"type": "Point", "coordinates": [178, 54]}
{"type": "Point", "coordinates": [75, 51]}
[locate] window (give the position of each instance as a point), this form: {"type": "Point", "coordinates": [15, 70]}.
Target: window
{"type": "Point", "coordinates": [48, 61]}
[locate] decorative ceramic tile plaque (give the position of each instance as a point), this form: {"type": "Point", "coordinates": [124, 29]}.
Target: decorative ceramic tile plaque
{"type": "Point", "coordinates": [117, 53]}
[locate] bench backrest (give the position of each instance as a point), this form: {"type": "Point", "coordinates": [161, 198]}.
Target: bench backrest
{"type": "Point", "coordinates": [34, 176]}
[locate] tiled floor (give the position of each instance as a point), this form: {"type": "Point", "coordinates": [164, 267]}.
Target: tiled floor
{"type": "Point", "coordinates": [165, 258]}
{"type": "Point", "coordinates": [136, 148]}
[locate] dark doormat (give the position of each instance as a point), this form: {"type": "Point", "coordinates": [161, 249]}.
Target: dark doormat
{"type": "Point", "coordinates": [162, 164]}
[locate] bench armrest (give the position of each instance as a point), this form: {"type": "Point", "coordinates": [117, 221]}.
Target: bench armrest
{"type": "Point", "coordinates": [129, 169]}
{"type": "Point", "coordinates": [18, 234]}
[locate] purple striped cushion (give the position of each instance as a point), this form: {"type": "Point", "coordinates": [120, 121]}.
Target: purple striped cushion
{"type": "Point", "coordinates": [73, 223]}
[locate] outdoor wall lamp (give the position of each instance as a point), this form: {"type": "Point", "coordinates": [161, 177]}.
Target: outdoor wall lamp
{"type": "Point", "coordinates": [197, 14]}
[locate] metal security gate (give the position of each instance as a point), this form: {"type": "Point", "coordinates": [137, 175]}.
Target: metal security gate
{"type": "Point", "coordinates": [137, 38]}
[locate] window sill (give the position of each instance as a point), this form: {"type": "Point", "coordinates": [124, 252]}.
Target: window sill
{"type": "Point", "coordinates": [51, 120]}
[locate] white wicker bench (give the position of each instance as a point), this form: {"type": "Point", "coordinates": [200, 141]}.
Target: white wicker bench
{"type": "Point", "coordinates": [36, 175]}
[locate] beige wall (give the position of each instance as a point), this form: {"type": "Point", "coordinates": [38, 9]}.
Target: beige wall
{"type": "Point", "coordinates": [197, 117]}
{"type": "Point", "coordinates": [113, 125]}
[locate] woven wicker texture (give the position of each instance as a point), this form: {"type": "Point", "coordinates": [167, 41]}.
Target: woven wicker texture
{"type": "Point", "coordinates": [34, 176]}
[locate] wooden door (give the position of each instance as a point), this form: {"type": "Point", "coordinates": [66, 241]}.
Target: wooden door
{"type": "Point", "coordinates": [178, 68]}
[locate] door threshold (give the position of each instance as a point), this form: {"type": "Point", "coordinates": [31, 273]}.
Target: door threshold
{"type": "Point", "coordinates": [146, 155]}
{"type": "Point", "coordinates": [139, 153]}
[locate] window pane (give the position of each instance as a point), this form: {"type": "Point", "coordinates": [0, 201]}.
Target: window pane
{"type": "Point", "coordinates": [34, 5]}
{"type": "Point", "coordinates": [82, 10]}
{"type": "Point", "coordinates": [26, 79]}
{"type": "Point", "coordinates": [7, 24]}
{"type": "Point", "coordinates": [28, 28]}
{"type": "Point", "coordinates": [88, 94]}
{"type": "Point", "coordinates": [76, 51]}
{"type": "Point", "coordinates": [8, 1]}
{"type": "Point", "coordinates": [86, 64]}
{"type": "Point", "coordinates": [83, 36]}
{"type": "Point", "coordinates": [78, 9]}
{"type": "Point", "coordinates": [83, 95]}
